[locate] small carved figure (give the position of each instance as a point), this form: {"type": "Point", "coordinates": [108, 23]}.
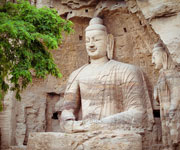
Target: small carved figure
{"type": "Point", "coordinates": [105, 91]}
{"type": "Point", "coordinates": [167, 93]}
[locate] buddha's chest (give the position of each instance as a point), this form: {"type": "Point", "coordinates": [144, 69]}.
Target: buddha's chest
{"type": "Point", "coordinates": [98, 86]}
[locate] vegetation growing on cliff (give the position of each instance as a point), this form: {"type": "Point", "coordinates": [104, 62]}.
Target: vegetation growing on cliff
{"type": "Point", "coordinates": [26, 36]}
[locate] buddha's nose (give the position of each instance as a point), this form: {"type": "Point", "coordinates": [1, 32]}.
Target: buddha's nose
{"type": "Point", "coordinates": [153, 62]}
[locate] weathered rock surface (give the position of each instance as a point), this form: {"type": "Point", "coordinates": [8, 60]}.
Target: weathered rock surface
{"type": "Point", "coordinates": [17, 148]}
{"type": "Point", "coordinates": [169, 30]}
{"type": "Point", "coordinates": [108, 6]}
{"type": "Point", "coordinates": [164, 16]}
{"type": "Point", "coordinates": [161, 8]}
{"type": "Point", "coordinates": [74, 4]}
{"type": "Point", "coordinates": [75, 8]}
{"type": "Point", "coordinates": [41, 3]}
{"type": "Point", "coordinates": [99, 140]}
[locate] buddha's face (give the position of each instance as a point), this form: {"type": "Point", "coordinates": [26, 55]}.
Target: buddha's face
{"type": "Point", "coordinates": [157, 59]}
{"type": "Point", "coordinates": [96, 43]}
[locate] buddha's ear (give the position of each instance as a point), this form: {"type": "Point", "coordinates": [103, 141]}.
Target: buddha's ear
{"type": "Point", "coordinates": [165, 60]}
{"type": "Point", "coordinates": [110, 46]}
{"type": "Point", "coordinates": [89, 60]}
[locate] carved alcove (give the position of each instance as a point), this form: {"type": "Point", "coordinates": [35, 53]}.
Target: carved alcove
{"type": "Point", "coordinates": [52, 123]}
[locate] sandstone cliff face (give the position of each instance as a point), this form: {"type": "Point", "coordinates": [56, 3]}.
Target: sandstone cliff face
{"type": "Point", "coordinates": [164, 16]}
{"type": "Point", "coordinates": [135, 24]}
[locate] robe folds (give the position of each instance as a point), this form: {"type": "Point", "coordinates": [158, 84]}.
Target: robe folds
{"type": "Point", "coordinates": [114, 89]}
{"type": "Point", "coordinates": [168, 92]}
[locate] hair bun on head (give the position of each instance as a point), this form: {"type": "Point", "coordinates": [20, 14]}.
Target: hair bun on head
{"type": "Point", "coordinates": [96, 20]}
{"type": "Point", "coordinates": [96, 24]}
{"type": "Point", "coordinates": [158, 44]}
{"type": "Point", "coordinates": [158, 47]}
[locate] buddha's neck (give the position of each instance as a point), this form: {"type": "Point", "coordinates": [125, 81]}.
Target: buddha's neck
{"type": "Point", "coordinates": [99, 61]}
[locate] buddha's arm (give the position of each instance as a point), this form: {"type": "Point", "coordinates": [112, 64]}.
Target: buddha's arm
{"type": "Point", "coordinates": [71, 104]}
{"type": "Point", "coordinates": [130, 117]}
{"type": "Point", "coordinates": [71, 99]}
{"type": "Point", "coordinates": [155, 94]}
{"type": "Point", "coordinates": [133, 99]}
{"type": "Point", "coordinates": [174, 97]}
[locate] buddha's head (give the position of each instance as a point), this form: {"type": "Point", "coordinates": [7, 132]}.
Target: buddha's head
{"type": "Point", "coordinates": [98, 43]}
{"type": "Point", "coordinates": [158, 54]}
{"type": "Point", "coordinates": [160, 57]}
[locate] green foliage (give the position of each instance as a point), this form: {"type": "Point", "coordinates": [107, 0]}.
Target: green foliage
{"type": "Point", "coordinates": [26, 36]}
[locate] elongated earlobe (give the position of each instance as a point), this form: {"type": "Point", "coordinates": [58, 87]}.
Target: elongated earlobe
{"type": "Point", "coordinates": [165, 60]}
{"type": "Point", "coordinates": [110, 46]}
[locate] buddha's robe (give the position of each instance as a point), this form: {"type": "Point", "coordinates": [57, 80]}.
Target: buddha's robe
{"type": "Point", "coordinates": [168, 92]}
{"type": "Point", "coordinates": [116, 89]}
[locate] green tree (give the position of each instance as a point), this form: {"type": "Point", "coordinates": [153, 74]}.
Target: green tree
{"type": "Point", "coordinates": [27, 34]}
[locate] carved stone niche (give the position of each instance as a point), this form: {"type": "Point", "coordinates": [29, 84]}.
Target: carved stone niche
{"type": "Point", "coordinates": [52, 123]}
{"type": "Point", "coordinates": [53, 102]}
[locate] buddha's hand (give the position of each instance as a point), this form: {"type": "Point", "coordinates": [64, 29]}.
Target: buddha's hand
{"type": "Point", "coordinates": [172, 111]}
{"type": "Point", "coordinates": [71, 126]}
{"type": "Point", "coordinates": [66, 121]}
{"type": "Point", "coordinates": [92, 125]}
{"type": "Point", "coordinates": [67, 126]}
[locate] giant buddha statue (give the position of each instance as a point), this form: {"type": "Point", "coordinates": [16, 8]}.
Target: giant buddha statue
{"type": "Point", "coordinates": [106, 103]}
{"type": "Point", "coordinates": [105, 92]}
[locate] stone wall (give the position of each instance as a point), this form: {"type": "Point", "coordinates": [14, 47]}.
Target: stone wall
{"type": "Point", "coordinates": [164, 16]}
{"type": "Point", "coordinates": [7, 121]}
{"type": "Point", "coordinates": [135, 24]}
{"type": "Point", "coordinates": [0, 138]}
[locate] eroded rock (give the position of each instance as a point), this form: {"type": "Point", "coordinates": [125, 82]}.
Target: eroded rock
{"type": "Point", "coordinates": [164, 16]}
{"type": "Point", "coordinates": [99, 140]}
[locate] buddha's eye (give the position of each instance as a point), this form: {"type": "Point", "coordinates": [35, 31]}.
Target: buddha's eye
{"type": "Point", "coordinates": [87, 40]}
{"type": "Point", "coordinates": [97, 40]}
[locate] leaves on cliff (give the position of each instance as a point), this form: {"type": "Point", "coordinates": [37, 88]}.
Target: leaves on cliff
{"type": "Point", "coordinates": [26, 36]}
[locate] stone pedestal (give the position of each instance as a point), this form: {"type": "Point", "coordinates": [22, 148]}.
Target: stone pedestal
{"type": "Point", "coordinates": [99, 140]}
{"type": "Point", "coordinates": [17, 148]}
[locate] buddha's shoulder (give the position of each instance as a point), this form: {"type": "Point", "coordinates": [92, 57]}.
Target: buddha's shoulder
{"type": "Point", "coordinates": [121, 65]}
{"type": "Point", "coordinates": [77, 71]}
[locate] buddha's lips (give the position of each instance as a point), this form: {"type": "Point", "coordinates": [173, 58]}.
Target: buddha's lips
{"type": "Point", "coordinates": [92, 50]}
